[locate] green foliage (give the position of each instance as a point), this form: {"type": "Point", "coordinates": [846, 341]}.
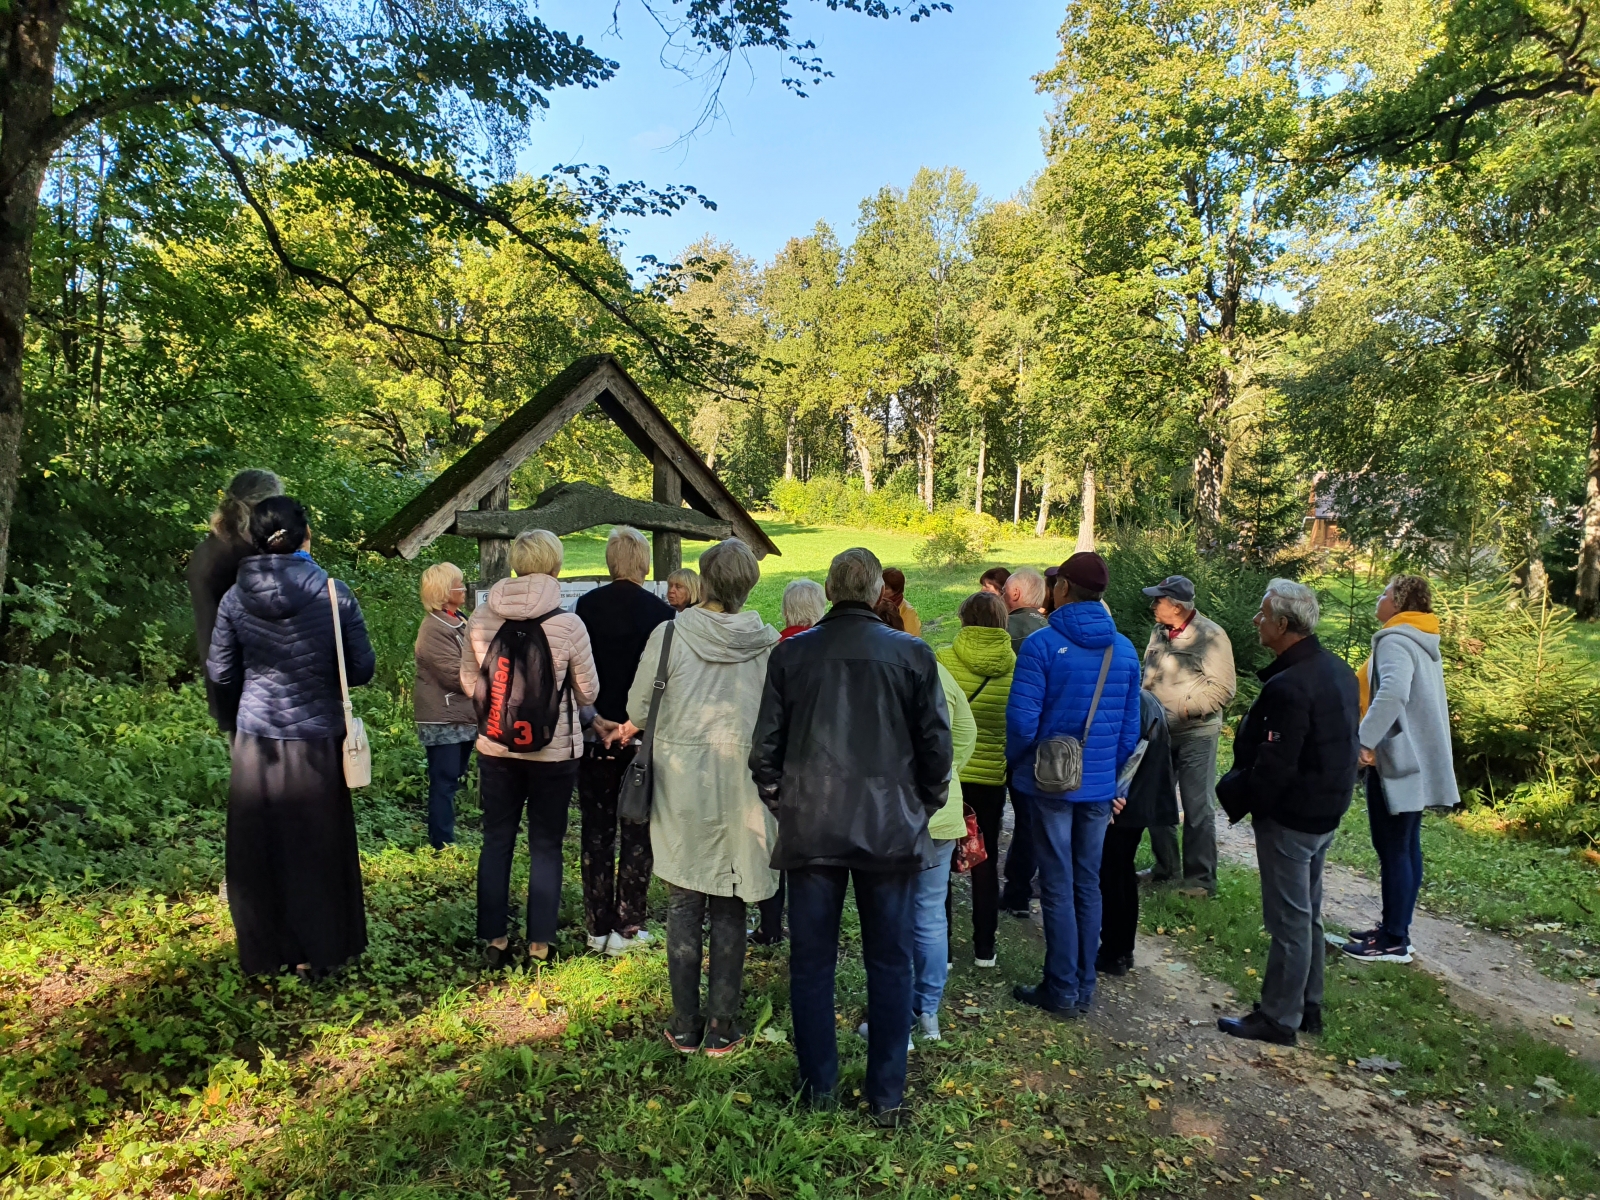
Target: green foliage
{"type": "Point", "coordinates": [959, 538]}
{"type": "Point", "coordinates": [1264, 500]}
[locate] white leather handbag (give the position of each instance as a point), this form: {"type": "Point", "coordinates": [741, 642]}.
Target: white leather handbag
{"type": "Point", "coordinates": [357, 750]}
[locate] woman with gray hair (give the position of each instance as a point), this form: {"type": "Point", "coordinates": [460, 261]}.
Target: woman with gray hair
{"type": "Point", "coordinates": [803, 605]}
{"type": "Point", "coordinates": [213, 569]}
{"type": "Point", "coordinates": [711, 834]}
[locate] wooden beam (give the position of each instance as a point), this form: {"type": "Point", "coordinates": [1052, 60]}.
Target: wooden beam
{"type": "Point", "coordinates": [667, 490]}
{"type": "Point", "coordinates": [494, 553]}
{"type": "Point", "coordinates": [570, 507]}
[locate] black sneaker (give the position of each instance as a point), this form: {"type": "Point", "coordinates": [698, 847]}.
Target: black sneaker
{"type": "Point", "coordinates": [684, 1043]}
{"type": "Point", "coordinates": [722, 1037]}
{"type": "Point", "coordinates": [890, 1118]}
{"type": "Point", "coordinates": [1376, 949]}
{"type": "Point", "coordinates": [1256, 1026]}
{"type": "Point", "coordinates": [498, 958]}
{"type": "Point", "coordinates": [765, 937]}
{"type": "Point", "coordinates": [1034, 998]}
{"type": "Point", "coordinates": [1113, 966]}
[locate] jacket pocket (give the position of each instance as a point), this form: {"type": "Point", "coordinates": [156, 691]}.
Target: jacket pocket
{"type": "Point", "coordinates": [1397, 757]}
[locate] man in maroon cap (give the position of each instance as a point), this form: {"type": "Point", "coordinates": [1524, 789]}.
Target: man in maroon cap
{"type": "Point", "coordinates": [1072, 721]}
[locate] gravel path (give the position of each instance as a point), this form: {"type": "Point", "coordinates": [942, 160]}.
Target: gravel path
{"type": "Point", "coordinates": [1486, 973]}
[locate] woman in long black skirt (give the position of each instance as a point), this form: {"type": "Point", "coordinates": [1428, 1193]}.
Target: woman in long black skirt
{"type": "Point", "coordinates": [294, 876]}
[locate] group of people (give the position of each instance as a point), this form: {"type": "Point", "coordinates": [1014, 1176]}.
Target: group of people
{"type": "Point", "coordinates": [784, 767]}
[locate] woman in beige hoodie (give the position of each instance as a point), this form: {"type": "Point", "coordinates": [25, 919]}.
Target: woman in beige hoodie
{"type": "Point", "coordinates": [540, 780]}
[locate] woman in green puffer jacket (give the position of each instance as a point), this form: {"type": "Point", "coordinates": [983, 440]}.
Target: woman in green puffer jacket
{"type": "Point", "coordinates": [981, 659]}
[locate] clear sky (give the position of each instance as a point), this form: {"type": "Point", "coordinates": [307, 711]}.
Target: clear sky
{"type": "Point", "coordinates": [951, 90]}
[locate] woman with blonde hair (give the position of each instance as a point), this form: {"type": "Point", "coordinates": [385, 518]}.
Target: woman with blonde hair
{"type": "Point", "coordinates": [541, 777]}
{"type": "Point", "coordinates": [446, 725]}
{"type": "Point", "coordinates": [711, 834]}
{"type": "Point", "coordinates": [213, 568]}
{"type": "Point", "coordinates": [683, 589]}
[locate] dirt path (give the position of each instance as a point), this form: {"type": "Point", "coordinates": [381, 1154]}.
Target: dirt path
{"type": "Point", "coordinates": [1486, 973]}
{"type": "Point", "coordinates": [1276, 1116]}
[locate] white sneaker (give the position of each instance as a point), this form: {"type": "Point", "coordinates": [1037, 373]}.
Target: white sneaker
{"type": "Point", "coordinates": [598, 943]}
{"type": "Point", "coordinates": [644, 937]}
{"type": "Point", "coordinates": [986, 963]}
{"type": "Point", "coordinates": [617, 945]}
{"type": "Point", "coordinates": [930, 1026]}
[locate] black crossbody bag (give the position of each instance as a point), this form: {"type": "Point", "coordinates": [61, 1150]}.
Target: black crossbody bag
{"type": "Point", "coordinates": [638, 785]}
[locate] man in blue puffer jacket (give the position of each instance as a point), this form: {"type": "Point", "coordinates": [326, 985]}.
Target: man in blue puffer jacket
{"type": "Point", "coordinates": [1052, 692]}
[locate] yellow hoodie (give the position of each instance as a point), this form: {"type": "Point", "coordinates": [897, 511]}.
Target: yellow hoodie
{"type": "Point", "coordinates": [1427, 622]}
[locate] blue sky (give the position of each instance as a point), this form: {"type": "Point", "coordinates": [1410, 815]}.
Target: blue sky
{"type": "Point", "coordinates": [951, 90]}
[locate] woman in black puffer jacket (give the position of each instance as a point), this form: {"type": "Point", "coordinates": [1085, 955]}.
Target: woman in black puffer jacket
{"type": "Point", "coordinates": [294, 877]}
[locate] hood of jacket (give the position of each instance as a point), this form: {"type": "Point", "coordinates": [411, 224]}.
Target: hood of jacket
{"type": "Point", "coordinates": [1085, 623]}
{"type": "Point", "coordinates": [525, 597]}
{"type": "Point", "coordinates": [275, 586]}
{"type": "Point", "coordinates": [986, 652]}
{"type": "Point", "coordinates": [724, 637]}
{"type": "Point", "coordinates": [1422, 629]}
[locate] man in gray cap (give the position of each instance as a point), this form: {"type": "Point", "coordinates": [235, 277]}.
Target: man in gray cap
{"type": "Point", "coordinates": [1188, 666]}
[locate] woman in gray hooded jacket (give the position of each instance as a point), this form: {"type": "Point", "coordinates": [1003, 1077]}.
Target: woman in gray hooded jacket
{"type": "Point", "coordinates": [1405, 748]}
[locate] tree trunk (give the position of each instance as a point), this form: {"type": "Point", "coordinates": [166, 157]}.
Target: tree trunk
{"type": "Point", "coordinates": [1044, 506]}
{"type": "Point", "coordinates": [977, 495]}
{"type": "Point", "coordinates": [928, 435]}
{"type": "Point", "coordinates": [31, 37]}
{"type": "Point", "coordinates": [1086, 520]}
{"type": "Point", "coordinates": [1589, 547]}
{"type": "Point", "coordinates": [1016, 500]}
{"type": "Point", "coordinates": [788, 450]}
{"type": "Point", "coordinates": [1208, 468]}
{"type": "Point", "coordinates": [863, 452]}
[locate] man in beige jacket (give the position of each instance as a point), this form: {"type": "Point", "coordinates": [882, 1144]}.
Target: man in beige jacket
{"type": "Point", "coordinates": [1188, 666]}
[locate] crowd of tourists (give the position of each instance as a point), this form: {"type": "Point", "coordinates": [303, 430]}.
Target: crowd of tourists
{"type": "Point", "coordinates": [746, 765]}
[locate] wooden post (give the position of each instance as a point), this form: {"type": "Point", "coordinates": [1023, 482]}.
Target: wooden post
{"type": "Point", "coordinates": [667, 489]}
{"type": "Point", "coordinates": [494, 554]}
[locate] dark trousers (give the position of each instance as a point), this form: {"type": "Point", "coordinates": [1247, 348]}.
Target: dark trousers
{"type": "Point", "coordinates": [686, 917]}
{"type": "Point", "coordinates": [988, 802]}
{"type": "Point", "coordinates": [616, 882]}
{"type": "Point", "coordinates": [885, 903]}
{"type": "Point", "coordinates": [506, 786]}
{"type": "Point", "coordinates": [1119, 892]}
{"type": "Point", "coordinates": [771, 910]}
{"type": "Point", "coordinates": [1291, 865]}
{"type": "Point", "coordinates": [1070, 839]}
{"type": "Point", "coordinates": [1021, 863]}
{"type": "Point", "coordinates": [1397, 837]}
{"type": "Point", "coordinates": [447, 767]}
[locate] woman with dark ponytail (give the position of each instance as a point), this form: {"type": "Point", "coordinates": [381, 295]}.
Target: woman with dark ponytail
{"type": "Point", "coordinates": [294, 877]}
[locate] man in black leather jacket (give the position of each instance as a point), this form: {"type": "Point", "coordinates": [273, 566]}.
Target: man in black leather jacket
{"type": "Point", "coordinates": [1294, 772]}
{"type": "Point", "coordinates": [852, 752]}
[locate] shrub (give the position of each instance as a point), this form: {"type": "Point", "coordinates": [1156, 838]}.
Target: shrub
{"type": "Point", "coordinates": [959, 538]}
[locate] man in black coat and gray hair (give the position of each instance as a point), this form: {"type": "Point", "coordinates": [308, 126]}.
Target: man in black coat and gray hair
{"type": "Point", "coordinates": [852, 752]}
{"type": "Point", "coordinates": [1294, 772]}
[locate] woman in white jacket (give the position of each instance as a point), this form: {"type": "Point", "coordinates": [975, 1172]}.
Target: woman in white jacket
{"type": "Point", "coordinates": [1405, 748]}
{"type": "Point", "coordinates": [711, 835]}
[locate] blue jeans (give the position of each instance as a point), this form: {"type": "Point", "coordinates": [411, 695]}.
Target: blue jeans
{"type": "Point", "coordinates": [1069, 839]}
{"type": "Point", "coordinates": [931, 941]}
{"type": "Point", "coordinates": [1020, 864]}
{"type": "Point", "coordinates": [885, 903]}
{"type": "Point", "coordinates": [447, 767]}
{"type": "Point", "coordinates": [1397, 837]}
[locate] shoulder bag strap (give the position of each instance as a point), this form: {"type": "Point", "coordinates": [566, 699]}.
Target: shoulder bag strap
{"type": "Point", "coordinates": [338, 645]}
{"type": "Point", "coordinates": [981, 686]}
{"type": "Point", "coordinates": [1099, 686]}
{"type": "Point", "coordinates": [647, 749]}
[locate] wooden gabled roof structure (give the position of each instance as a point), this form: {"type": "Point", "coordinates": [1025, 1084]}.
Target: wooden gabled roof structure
{"type": "Point", "coordinates": [479, 479]}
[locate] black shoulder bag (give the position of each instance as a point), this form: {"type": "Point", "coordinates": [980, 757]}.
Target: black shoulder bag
{"type": "Point", "coordinates": [638, 785]}
{"type": "Point", "coordinates": [1058, 762]}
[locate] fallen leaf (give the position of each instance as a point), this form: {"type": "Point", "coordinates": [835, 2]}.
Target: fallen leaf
{"type": "Point", "coordinates": [742, 1097]}
{"type": "Point", "coordinates": [1153, 1104]}
{"type": "Point", "coordinates": [773, 1034]}
{"type": "Point", "coordinates": [1379, 1063]}
{"type": "Point", "coordinates": [1561, 1019]}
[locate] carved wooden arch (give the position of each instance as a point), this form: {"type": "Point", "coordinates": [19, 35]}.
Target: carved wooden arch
{"type": "Point", "coordinates": [480, 478]}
